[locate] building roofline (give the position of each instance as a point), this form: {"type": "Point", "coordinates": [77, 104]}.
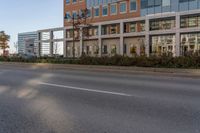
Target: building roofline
{"type": "Point", "coordinates": [24, 33]}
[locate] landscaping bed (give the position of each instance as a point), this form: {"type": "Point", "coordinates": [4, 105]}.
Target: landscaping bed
{"type": "Point", "coordinates": [142, 61]}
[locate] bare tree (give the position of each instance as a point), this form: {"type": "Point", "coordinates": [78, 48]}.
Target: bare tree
{"type": "Point", "coordinates": [79, 22]}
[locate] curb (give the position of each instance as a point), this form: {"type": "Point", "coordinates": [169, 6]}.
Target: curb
{"type": "Point", "coordinates": [114, 69]}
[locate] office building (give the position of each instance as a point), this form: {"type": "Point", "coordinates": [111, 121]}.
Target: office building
{"type": "Point", "coordinates": [129, 27]}
{"type": "Point", "coordinates": [27, 43]}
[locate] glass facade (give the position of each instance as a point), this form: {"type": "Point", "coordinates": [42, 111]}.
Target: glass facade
{"type": "Point", "coordinates": [151, 6]}
{"type": "Point", "coordinates": [162, 6]}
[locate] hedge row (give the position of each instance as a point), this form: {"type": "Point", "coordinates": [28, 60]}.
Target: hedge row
{"type": "Point", "coordinates": [142, 61]}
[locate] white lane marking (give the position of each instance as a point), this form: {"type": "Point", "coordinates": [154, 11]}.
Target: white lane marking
{"type": "Point", "coordinates": [85, 89]}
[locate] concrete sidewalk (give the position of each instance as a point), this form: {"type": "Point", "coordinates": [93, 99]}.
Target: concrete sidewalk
{"type": "Point", "coordinates": [194, 73]}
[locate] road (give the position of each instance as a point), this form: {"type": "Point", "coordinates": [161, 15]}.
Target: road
{"type": "Point", "coordinates": [75, 101]}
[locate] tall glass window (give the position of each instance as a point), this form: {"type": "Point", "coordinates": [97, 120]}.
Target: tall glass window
{"type": "Point", "coordinates": [113, 9]}
{"type": "Point", "coordinates": [96, 12]}
{"type": "Point", "coordinates": [105, 10]}
{"type": "Point", "coordinates": [67, 16]}
{"type": "Point", "coordinates": [74, 15]}
{"type": "Point", "coordinates": [67, 1]}
{"type": "Point", "coordinates": [133, 5]}
{"type": "Point", "coordinates": [163, 45]}
{"type": "Point", "coordinates": [122, 7]}
{"type": "Point", "coordinates": [190, 43]}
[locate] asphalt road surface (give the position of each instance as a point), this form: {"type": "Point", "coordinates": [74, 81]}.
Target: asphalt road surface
{"type": "Point", "coordinates": [73, 101]}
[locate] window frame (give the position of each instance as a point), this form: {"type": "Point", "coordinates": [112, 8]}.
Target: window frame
{"type": "Point", "coordinates": [74, 2]}
{"type": "Point", "coordinates": [103, 11]}
{"type": "Point", "coordinates": [72, 15]}
{"type": "Point", "coordinates": [125, 7]}
{"type": "Point", "coordinates": [67, 3]}
{"type": "Point", "coordinates": [69, 13]}
{"type": "Point", "coordinates": [115, 4]}
{"type": "Point", "coordinates": [97, 7]}
{"type": "Point", "coordinates": [130, 6]}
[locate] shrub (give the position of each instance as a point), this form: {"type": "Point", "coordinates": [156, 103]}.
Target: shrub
{"type": "Point", "coordinates": [192, 61]}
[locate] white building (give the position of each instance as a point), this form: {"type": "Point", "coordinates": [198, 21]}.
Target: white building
{"type": "Point", "coordinates": [27, 43]}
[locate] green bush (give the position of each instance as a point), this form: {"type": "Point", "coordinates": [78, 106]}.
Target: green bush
{"type": "Point", "coordinates": [165, 61]}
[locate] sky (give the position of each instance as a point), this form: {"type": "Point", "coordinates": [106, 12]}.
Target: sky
{"type": "Point", "coordinates": [18, 16]}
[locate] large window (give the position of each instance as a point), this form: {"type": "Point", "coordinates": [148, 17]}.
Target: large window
{"type": "Point", "coordinates": [138, 26]}
{"type": "Point", "coordinates": [105, 49]}
{"type": "Point", "coordinates": [74, 1]}
{"type": "Point", "coordinates": [67, 1]}
{"type": "Point", "coordinates": [163, 45]}
{"type": "Point", "coordinates": [133, 5]}
{"type": "Point", "coordinates": [190, 21]}
{"type": "Point", "coordinates": [162, 24]}
{"type": "Point", "coordinates": [190, 43]}
{"type": "Point", "coordinates": [123, 7]}
{"type": "Point", "coordinates": [133, 27]}
{"type": "Point", "coordinates": [105, 10]}
{"type": "Point", "coordinates": [113, 9]}
{"type": "Point", "coordinates": [74, 14]}
{"type": "Point", "coordinates": [67, 16]}
{"type": "Point", "coordinates": [96, 12]}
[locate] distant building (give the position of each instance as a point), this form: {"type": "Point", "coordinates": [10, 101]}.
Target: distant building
{"type": "Point", "coordinates": [27, 43]}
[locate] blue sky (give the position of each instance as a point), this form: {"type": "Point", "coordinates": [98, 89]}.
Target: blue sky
{"type": "Point", "coordinates": [29, 15]}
